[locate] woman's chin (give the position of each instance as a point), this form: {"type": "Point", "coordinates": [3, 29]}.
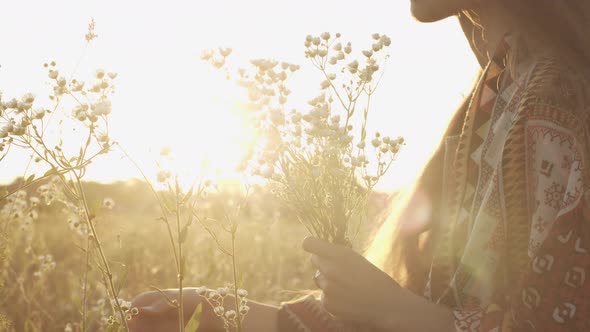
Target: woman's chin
{"type": "Point", "coordinates": [426, 11]}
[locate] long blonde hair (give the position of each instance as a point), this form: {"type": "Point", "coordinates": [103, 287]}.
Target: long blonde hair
{"type": "Point", "coordinates": [561, 27]}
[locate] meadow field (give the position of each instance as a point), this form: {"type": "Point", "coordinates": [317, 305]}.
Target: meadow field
{"type": "Point", "coordinates": [43, 267]}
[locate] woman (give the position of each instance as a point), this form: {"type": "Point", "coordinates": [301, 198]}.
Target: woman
{"type": "Point", "coordinates": [506, 245]}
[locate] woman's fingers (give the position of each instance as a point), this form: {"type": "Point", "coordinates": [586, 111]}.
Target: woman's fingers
{"type": "Point", "coordinates": [329, 268]}
{"type": "Point", "coordinates": [325, 249]}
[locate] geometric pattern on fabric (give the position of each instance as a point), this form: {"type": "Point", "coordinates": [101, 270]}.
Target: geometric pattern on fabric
{"type": "Point", "coordinates": [451, 276]}
{"type": "Point", "coordinates": [525, 251]}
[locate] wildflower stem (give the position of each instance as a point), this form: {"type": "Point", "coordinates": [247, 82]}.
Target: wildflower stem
{"type": "Point", "coordinates": [84, 298]}
{"type": "Point", "coordinates": [180, 262]}
{"type": "Point", "coordinates": [236, 297]}
{"type": "Point", "coordinates": [163, 208]}
{"type": "Point", "coordinates": [104, 261]}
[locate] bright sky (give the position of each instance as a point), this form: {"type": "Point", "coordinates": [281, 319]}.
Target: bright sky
{"type": "Point", "coordinates": [167, 96]}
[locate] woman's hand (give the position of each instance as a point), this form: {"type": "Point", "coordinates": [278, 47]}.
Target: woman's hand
{"type": "Point", "coordinates": [157, 314]}
{"type": "Point", "coordinates": [353, 288]}
{"type": "Point", "coordinates": [358, 291]}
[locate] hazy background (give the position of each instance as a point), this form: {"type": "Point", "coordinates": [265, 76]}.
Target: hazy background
{"type": "Point", "coordinates": [167, 96]}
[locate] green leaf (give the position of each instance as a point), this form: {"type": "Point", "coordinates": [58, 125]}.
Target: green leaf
{"type": "Point", "coordinates": [195, 321]}
{"type": "Point", "coordinates": [49, 172]}
{"type": "Point", "coordinates": [30, 179]}
{"type": "Point", "coordinates": [121, 328]}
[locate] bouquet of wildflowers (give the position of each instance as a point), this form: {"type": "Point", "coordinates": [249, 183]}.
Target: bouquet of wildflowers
{"type": "Point", "coordinates": [317, 162]}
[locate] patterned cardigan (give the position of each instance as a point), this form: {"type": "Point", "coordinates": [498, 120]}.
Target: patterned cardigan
{"type": "Point", "coordinates": [513, 249]}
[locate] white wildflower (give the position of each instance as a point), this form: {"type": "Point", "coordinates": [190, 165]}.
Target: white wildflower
{"type": "Point", "coordinates": [125, 305]}
{"type": "Point", "coordinates": [219, 311]}
{"type": "Point", "coordinates": [223, 291]}
{"type": "Point", "coordinates": [108, 203]}
{"type": "Point", "coordinates": [225, 52]}
{"type": "Point", "coordinates": [230, 314]}
{"type": "Point", "coordinates": [348, 48]}
{"type": "Point", "coordinates": [38, 113]}
{"type": "Point", "coordinates": [35, 201]}
{"type": "Point", "coordinates": [28, 98]}
{"type": "Point", "coordinates": [77, 86]}
{"type": "Point", "coordinates": [13, 103]}
{"type": "Point", "coordinates": [53, 74]}
{"type": "Point", "coordinates": [377, 47]}
{"type": "Point", "coordinates": [207, 55]}
{"type": "Point", "coordinates": [201, 290]}
{"type": "Point", "coordinates": [102, 107]}
{"type": "Point", "coordinates": [163, 176]}
{"type": "Point", "coordinates": [5, 130]}
{"type": "Point", "coordinates": [353, 66]}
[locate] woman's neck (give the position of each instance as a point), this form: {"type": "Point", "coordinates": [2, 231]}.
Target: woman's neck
{"type": "Point", "coordinates": [485, 37]}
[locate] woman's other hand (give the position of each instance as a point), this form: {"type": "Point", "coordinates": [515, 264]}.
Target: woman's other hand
{"type": "Point", "coordinates": [157, 314]}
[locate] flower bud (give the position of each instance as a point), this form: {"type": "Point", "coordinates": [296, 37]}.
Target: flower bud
{"type": "Point", "coordinates": [53, 74]}
{"type": "Point", "coordinates": [219, 311]}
